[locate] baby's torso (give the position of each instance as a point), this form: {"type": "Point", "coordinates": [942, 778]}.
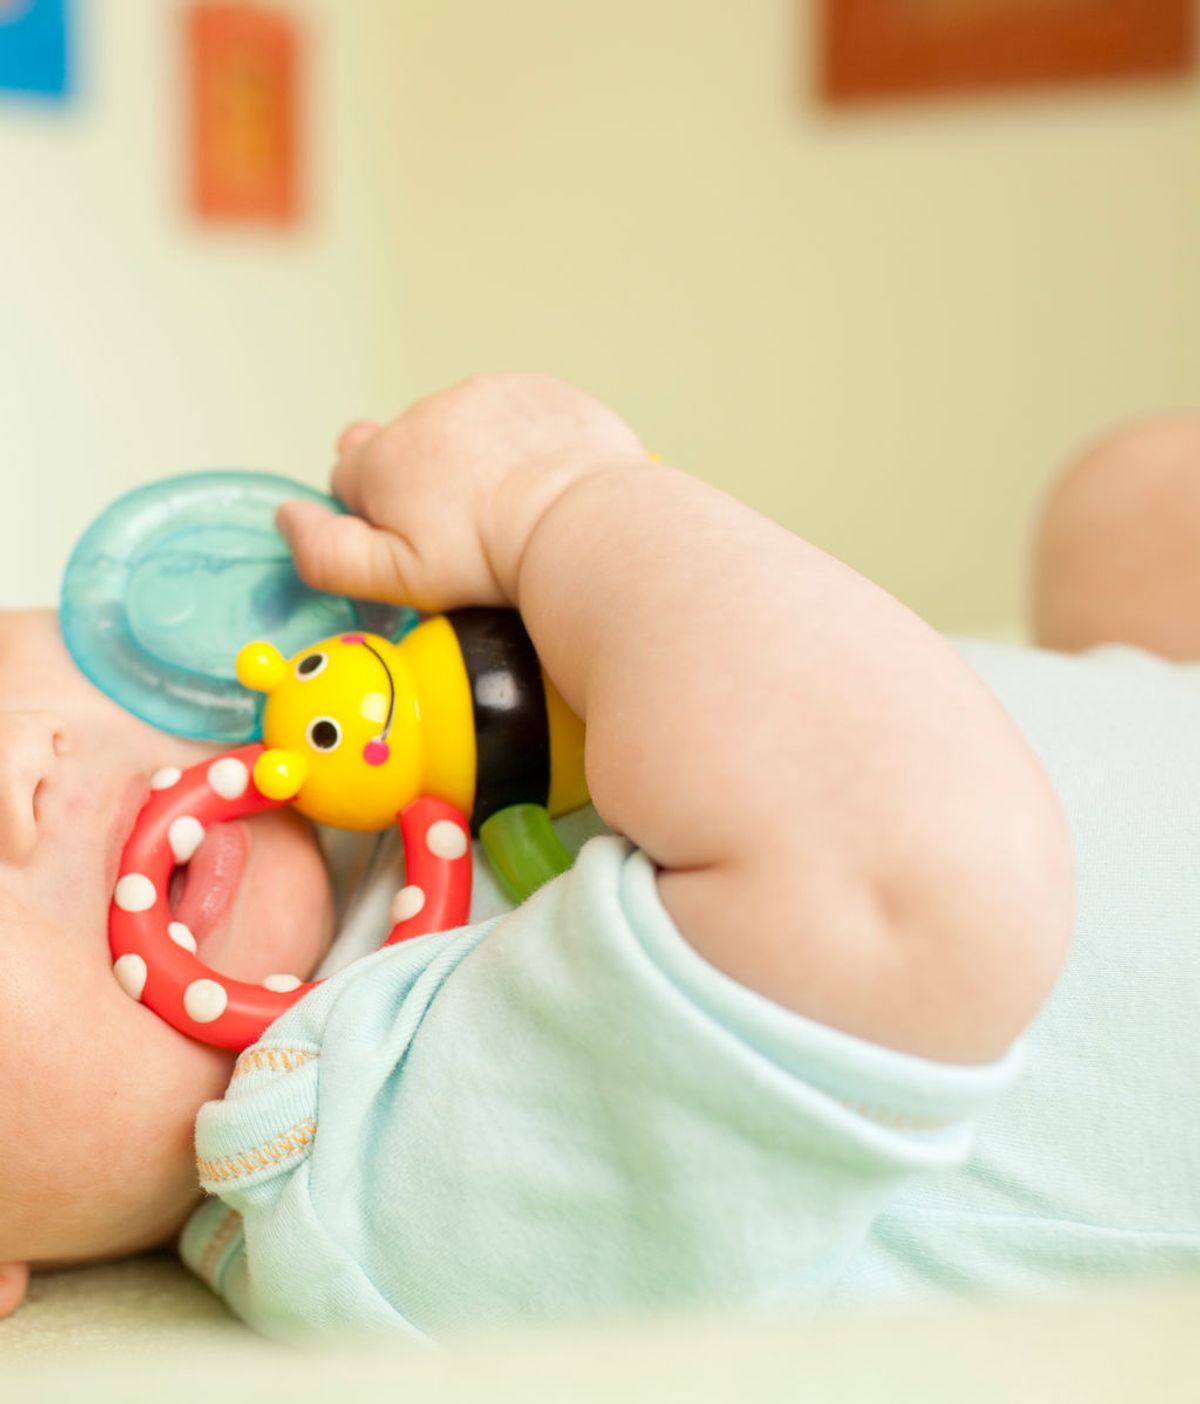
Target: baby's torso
{"type": "Point", "coordinates": [1090, 1166]}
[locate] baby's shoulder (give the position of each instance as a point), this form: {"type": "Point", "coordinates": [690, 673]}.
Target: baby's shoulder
{"type": "Point", "coordinates": [1114, 695]}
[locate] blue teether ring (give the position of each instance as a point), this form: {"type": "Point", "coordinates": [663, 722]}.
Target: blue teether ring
{"type": "Point", "coordinates": [169, 582]}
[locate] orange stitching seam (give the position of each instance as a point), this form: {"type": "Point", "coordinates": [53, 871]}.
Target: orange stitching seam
{"type": "Point", "coordinates": [228, 1229]}
{"type": "Point", "coordinates": [271, 1060]}
{"type": "Point", "coordinates": [232, 1167]}
{"type": "Point", "coordinates": [896, 1120]}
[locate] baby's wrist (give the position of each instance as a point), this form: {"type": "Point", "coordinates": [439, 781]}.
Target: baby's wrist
{"type": "Point", "coordinates": [523, 500]}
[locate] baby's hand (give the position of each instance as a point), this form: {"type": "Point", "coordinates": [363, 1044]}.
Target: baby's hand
{"type": "Point", "coordinates": [447, 495]}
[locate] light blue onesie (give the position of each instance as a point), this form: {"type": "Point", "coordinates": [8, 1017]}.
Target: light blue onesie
{"type": "Point", "coordinates": [564, 1112]}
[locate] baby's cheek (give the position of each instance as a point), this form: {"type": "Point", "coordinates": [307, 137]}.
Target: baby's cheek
{"type": "Point", "coordinates": [81, 847]}
{"type": "Point", "coordinates": [75, 807]}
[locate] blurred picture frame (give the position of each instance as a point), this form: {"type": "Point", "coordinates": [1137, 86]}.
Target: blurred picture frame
{"type": "Point", "coordinates": [880, 49]}
{"type": "Point", "coordinates": [35, 48]}
{"type": "Point", "coordinates": [243, 98]}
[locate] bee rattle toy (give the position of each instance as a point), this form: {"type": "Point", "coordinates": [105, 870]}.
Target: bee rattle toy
{"type": "Point", "coordinates": [449, 728]}
{"type": "Point", "coordinates": [452, 731]}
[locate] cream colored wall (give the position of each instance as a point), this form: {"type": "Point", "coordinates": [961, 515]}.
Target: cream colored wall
{"type": "Point", "coordinates": [134, 343]}
{"type": "Point", "coordinates": [884, 328]}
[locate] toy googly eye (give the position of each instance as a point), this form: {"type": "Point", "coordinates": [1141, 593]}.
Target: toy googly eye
{"type": "Point", "coordinates": [310, 665]}
{"type": "Point", "coordinates": [324, 734]}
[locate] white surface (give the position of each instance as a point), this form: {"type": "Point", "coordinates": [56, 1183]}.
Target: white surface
{"type": "Point", "coordinates": [146, 1332]}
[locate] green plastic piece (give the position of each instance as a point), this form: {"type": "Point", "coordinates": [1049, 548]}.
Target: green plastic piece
{"type": "Point", "coordinates": [523, 849]}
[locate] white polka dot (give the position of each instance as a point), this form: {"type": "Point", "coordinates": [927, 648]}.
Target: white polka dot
{"type": "Point", "coordinates": [164, 779]}
{"type": "Point", "coordinates": [281, 984]}
{"type": "Point", "coordinates": [204, 1001]}
{"type": "Point", "coordinates": [135, 893]}
{"type": "Point", "coordinates": [445, 839]}
{"type": "Point", "coordinates": [407, 903]}
{"type": "Point", "coordinates": [181, 935]}
{"type": "Point", "coordinates": [130, 971]}
{"type": "Point", "coordinates": [228, 777]}
{"type": "Point", "coordinates": [185, 836]}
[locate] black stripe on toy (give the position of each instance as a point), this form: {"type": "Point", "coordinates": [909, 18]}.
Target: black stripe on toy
{"type": "Point", "coordinates": [512, 730]}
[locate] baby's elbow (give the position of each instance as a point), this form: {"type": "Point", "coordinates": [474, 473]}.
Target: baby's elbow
{"type": "Point", "coordinates": [983, 940]}
{"type": "Point", "coordinates": [1039, 867]}
{"type": "Point", "coordinates": [943, 946]}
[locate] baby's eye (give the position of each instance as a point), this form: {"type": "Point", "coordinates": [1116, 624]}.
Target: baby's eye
{"type": "Point", "coordinates": [324, 734]}
{"type": "Point", "coordinates": [310, 665]}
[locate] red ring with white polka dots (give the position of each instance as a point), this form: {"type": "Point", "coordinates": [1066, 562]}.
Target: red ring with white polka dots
{"type": "Point", "coordinates": [154, 957]}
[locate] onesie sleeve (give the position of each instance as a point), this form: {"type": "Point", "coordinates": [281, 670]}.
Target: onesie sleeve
{"type": "Point", "coordinates": [565, 1112]}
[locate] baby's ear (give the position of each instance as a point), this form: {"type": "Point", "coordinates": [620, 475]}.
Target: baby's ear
{"type": "Point", "coordinates": [14, 1280]}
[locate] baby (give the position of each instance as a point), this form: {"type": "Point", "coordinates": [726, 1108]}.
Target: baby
{"type": "Point", "coordinates": [719, 1061]}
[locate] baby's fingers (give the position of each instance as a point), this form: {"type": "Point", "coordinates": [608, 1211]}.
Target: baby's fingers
{"type": "Point", "coordinates": [350, 472]}
{"type": "Point", "coordinates": [355, 433]}
{"type": "Point", "coordinates": [348, 556]}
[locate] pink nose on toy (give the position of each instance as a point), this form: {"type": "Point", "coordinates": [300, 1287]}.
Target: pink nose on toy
{"type": "Point", "coordinates": [376, 752]}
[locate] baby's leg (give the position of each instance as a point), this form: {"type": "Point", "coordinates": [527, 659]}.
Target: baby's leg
{"type": "Point", "coordinates": [1118, 548]}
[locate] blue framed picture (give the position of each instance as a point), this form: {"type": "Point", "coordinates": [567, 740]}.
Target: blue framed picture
{"type": "Point", "coordinates": [35, 47]}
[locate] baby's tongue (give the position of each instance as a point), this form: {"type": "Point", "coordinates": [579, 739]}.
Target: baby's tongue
{"type": "Point", "coordinates": [201, 893]}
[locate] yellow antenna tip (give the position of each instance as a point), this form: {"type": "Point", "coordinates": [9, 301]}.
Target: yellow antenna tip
{"type": "Point", "coordinates": [260, 666]}
{"type": "Point", "coordinates": [280, 774]}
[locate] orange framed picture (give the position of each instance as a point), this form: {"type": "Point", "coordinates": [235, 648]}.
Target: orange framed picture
{"type": "Point", "coordinates": [895, 48]}
{"type": "Point", "coordinates": [243, 62]}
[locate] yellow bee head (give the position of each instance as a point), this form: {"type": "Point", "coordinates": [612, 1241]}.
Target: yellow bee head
{"type": "Point", "coordinates": [341, 728]}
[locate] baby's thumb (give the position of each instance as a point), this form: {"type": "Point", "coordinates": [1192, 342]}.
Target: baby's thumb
{"type": "Point", "coordinates": [345, 555]}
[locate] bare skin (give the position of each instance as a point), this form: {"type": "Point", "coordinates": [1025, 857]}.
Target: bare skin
{"type": "Point", "coordinates": [1118, 545]}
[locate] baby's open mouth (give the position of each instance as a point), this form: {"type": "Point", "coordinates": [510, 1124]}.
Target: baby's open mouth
{"type": "Point", "coordinates": [202, 890]}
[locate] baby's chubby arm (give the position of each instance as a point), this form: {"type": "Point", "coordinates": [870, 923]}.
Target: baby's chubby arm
{"type": "Point", "coordinates": [844, 818]}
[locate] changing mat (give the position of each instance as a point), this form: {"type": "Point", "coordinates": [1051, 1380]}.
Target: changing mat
{"type": "Point", "coordinates": [144, 1332]}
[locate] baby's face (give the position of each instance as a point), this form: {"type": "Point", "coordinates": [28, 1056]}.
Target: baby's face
{"type": "Point", "coordinates": [97, 1095]}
